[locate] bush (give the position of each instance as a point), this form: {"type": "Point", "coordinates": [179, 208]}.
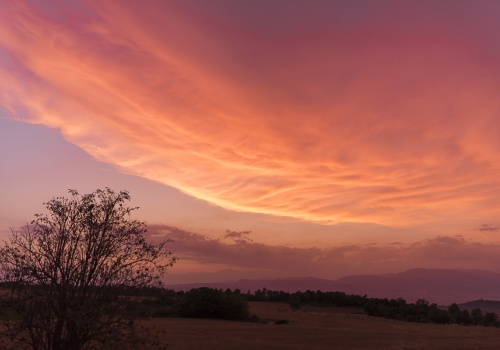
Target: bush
{"type": "Point", "coordinates": [294, 301]}
{"type": "Point", "coordinates": [214, 303]}
{"type": "Point", "coordinates": [283, 321]}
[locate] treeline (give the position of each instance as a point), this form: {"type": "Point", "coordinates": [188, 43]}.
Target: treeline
{"type": "Point", "coordinates": [223, 304]}
{"type": "Point", "coordinates": [315, 297]}
{"type": "Point", "coordinates": [197, 303]}
{"type": "Point", "coordinates": [158, 302]}
{"type": "Point", "coordinates": [420, 311]}
{"type": "Point", "coordinates": [233, 305]}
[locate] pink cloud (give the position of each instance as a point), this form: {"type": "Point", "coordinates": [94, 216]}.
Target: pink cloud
{"type": "Point", "coordinates": [348, 113]}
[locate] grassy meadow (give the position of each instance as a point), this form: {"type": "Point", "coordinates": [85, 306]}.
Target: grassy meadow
{"type": "Point", "coordinates": [313, 327]}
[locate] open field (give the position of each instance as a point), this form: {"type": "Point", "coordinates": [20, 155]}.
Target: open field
{"type": "Point", "coordinates": [320, 328]}
{"type": "Point", "coordinates": [317, 328]}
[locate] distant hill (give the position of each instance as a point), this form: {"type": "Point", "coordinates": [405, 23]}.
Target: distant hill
{"type": "Point", "coordinates": [484, 305]}
{"type": "Point", "coordinates": [441, 286]}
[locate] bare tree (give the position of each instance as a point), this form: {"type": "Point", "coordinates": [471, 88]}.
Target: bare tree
{"type": "Point", "coordinates": [66, 270]}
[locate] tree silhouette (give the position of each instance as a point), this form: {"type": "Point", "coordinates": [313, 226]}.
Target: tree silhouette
{"type": "Point", "coordinates": [208, 302]}
{"type": "Point", "coordinates": [66, 269]}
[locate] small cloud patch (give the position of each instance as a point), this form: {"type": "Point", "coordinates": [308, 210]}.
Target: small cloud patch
{"type": "Point", "coordinates": [488, 227]}
{"type": "Point", "coordinates": [238, 236]}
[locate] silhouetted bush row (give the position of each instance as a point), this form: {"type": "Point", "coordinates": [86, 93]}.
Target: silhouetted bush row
{"type": "Point", "coordinates": [309, 296]}
{"type": "Point", "coordinates": [398, 309]}
{"type": "Point", "coordinates": [214, 303]}
{"type": "Point", "coordinates": [422, 311]}
{"type": "Point", "coordinates": [233, 305]}
{"type": "Point", "coordinates": [197, 303]}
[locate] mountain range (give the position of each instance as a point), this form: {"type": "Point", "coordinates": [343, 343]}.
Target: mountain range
{"type": "Point", "coordinates": [441, 286]}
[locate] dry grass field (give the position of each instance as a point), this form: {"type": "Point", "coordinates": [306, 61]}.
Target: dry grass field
{"type": "Point", "coordinates": [317, 328]}
{"type": "Point", "coordinates": [320, 328]}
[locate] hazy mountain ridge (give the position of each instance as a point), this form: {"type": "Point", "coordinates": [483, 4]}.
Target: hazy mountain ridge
{"type": "Point", "coordinates": [441, 286]}
{"type": "Point", "coordinates": [484, 305]}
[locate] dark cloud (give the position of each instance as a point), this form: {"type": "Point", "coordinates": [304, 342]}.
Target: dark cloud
{"type": "Point", "coordinates": [333, 262]}
{"type": "Point", "coordinates": [238, 236]}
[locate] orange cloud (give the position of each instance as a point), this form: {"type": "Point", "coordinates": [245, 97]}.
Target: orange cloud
{"type": "Point", "coordinates": [338, 116]}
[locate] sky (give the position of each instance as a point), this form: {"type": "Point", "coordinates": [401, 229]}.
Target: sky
{"type": "Point", "coordinates": [268, 138]}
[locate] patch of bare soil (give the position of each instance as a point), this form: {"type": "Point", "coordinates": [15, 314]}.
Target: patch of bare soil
{"type": "Point", "coordinates": [320, 328]}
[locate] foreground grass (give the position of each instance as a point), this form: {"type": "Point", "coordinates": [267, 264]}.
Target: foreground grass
{"type": "Point", "coordinates": [319, 328]}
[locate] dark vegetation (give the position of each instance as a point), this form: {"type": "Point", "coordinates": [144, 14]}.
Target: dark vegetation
{"type": "Point", "coordinates": [64, 273]}
{"type": "Point", "coordinates": [399, 309]}
{"type": "Point", "coordinates": [233, 305]}
{"type": "Point", "coordinates": [196, 303]}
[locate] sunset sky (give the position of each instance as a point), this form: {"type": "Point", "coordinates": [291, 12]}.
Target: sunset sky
{"type": "Point", "coordinates": [268, 138]}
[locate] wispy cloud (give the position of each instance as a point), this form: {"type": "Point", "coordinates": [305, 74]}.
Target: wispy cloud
{"type": "Point", "coordinates": [488, 227]}
{"type": "Point", "coordinates": [348, 112]}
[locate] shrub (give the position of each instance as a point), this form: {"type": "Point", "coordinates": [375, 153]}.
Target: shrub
{"type": "Point", "coordinates": [214, 303]}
